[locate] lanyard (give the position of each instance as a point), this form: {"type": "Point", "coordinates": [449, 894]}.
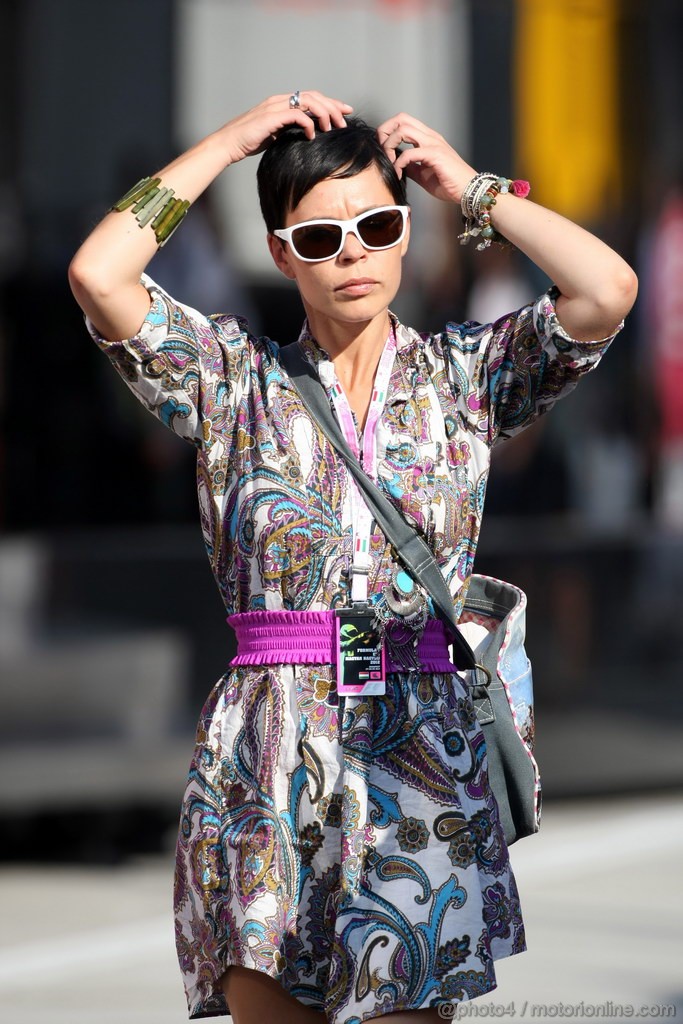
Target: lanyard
{"type": "Point", "coordinates": [361, 514]}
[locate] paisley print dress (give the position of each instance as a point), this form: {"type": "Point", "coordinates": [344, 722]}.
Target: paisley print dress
{"type": "Point", "coordinates": [347, 846]}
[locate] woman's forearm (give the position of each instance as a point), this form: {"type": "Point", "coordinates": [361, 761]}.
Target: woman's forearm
{"type": "Point", "coordinates": [105, 272]}
{"type": "Point", "coordinates": [597, 287]}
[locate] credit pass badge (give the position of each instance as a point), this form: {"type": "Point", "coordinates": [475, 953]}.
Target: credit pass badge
{"type": "Point", "coordinates": [360, 654]}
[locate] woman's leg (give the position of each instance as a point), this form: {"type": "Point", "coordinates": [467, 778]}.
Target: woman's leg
{"type": "Point", "coordinates": [256, 998]}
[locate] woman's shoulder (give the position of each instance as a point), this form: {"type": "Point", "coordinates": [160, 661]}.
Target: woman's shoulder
{"type": "Point", "coordinates": [434, 346]}
{"type": "Point", "coordinates": [226, 329]}
{"type": "Point", "coordinates": [459, 340]}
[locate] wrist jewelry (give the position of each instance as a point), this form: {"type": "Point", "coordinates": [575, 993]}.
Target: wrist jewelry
{"type": "Point", "coordinates": [478, 197]}
{"type": "Point", "coordinates": [153, 204]}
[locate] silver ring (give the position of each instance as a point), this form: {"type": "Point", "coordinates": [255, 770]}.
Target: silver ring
{"type": "Point", "coordinates": [294, 100]}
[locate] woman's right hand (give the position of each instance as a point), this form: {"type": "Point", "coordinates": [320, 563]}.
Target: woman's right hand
{"type": "Point", "coordinates": [251, 132]}
{"type": "Point", "coordinates": [105, 272]}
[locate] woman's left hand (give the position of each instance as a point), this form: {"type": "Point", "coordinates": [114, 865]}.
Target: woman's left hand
{"type": "Point", "coordinates": [428, 160]}
{"type": "Point", "coordinates": [597, 288]}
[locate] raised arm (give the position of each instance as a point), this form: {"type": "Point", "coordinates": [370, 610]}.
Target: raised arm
{"type": "Point", "coordinates": [105, 272]}
{"type": "Point", "coordinates": [597, 287]}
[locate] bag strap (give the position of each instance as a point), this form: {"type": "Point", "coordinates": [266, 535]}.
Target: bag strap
{"type": "Point", "coordinates": [412, 550]}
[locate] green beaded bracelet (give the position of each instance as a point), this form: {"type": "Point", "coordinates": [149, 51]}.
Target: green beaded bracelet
{"type": "Point", "coordinates": [154, 204]}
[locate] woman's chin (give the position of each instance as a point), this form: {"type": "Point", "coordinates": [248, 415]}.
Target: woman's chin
{"type": "Point", "coordinates": [349, 308]}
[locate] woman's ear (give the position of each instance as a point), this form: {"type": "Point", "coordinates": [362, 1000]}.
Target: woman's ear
{"type": "Point", "coordinates": [281, 256]}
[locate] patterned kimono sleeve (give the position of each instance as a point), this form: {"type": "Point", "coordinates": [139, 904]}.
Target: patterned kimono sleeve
{"type": "Point", "coordinates": [507, 374]}
{"type": "Point", "coordinates": [185, 368]}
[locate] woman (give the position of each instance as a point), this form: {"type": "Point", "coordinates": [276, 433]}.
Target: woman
{"type": "Point", "coordinates": [341, 853]}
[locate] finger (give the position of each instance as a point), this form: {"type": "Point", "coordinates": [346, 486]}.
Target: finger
{"type": "Point", "coordinates": [415, 155]}
{"type": "Point", "coordinates": [393, 144]}
{"type": "Point", "coordinates": [314, 93]}
{"type": "Point", "coordinates": [390, 137]}
{"type": "Point", "coordinates": [259, 127]}
{"type": "Point", "coordinates": [294, 115]}
{"type": "Point", "coordinates": [425, 165]}
{"type": "Point", "coordinates": [307, 124]}
{"type": "Point", "coordinates": [418, 164]}
{"type": "Point", "coordinates": [309, 94]}
{"type": "Point", "coordinates": [335, 106]}
{"type": "Point", "coordinates": [399, 137]}
{"type": "Point", "coordinates": [404, 129]}
{"type": "Point", "coordinates": [302, 117]}
{"type": "Point", "coordinates": [309, 120]}
{"type": "Point", "coordinates": [328, 112]}
{"type": "Point", "coordinates": [391, 125]}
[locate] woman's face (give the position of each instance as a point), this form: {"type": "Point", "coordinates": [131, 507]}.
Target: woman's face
{"type": "Point", "coordinates": [358, 284]}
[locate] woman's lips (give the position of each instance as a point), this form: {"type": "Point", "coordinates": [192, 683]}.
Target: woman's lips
{"type": "Point", "coordinates": [357, 286]}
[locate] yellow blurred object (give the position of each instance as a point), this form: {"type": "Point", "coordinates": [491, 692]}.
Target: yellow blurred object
{"type": "Point", "coordinates": [566, 104]}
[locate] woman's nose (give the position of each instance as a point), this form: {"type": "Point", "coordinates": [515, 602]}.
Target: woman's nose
{"type": "Point", "coordinates": [353, 248]}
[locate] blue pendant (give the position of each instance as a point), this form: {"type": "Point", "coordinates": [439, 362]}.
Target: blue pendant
{"type": "Point", "coordinates": [403, 583]}
{"type": "Point", "coordinates": [402, 596]}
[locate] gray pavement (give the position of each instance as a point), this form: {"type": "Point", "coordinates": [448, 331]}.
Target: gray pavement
{"type": "Point", "coordinates": [601, 887]}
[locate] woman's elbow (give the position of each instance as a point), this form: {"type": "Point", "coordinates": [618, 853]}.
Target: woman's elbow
{"type": "Point", "coordinates": [611, 301]}
{"type": "Point", "coordinates": [627, 286]}
{"type": "Point", "coordinates": [598, 312]}
{"type": "Point", "coordinates": [619, 293]}
{"type": "Point", "coordinates": [90, 287]}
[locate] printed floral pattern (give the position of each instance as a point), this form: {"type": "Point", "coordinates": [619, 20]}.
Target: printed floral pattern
{"type": "Point", "coordinates": [349, 847]}
{"type": "Point", "coordinates": [412, 835]}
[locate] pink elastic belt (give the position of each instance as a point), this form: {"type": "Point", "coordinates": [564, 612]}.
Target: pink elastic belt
{"type": "Point", "coordinates": [307, 638]}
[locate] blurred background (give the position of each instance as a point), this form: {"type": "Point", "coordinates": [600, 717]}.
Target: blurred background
{"type": "Point", "coordinates": [111, 629]}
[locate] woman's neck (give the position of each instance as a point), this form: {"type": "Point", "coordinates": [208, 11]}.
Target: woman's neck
{"type": "Point", "coordinates": [356, 350]}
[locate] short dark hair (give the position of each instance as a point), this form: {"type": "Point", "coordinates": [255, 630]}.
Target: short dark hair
{"type": "Point", "coordinates": [293, 164]}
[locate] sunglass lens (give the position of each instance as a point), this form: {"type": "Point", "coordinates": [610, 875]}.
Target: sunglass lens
{"type": "Point", "coordinates": [317, 241]}
{"type": "Point", "coordinates": [380, 230]}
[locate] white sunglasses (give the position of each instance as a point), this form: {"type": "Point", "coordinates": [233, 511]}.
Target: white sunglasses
{"type": "Point", "coordinates": [316, 240]}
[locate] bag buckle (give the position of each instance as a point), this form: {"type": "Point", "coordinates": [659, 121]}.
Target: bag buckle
{"type": "Point", "coordinates": [483, 706]}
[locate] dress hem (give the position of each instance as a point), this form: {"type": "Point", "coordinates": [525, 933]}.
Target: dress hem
{"type": "Point", "coordinates": [201, 1014]}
